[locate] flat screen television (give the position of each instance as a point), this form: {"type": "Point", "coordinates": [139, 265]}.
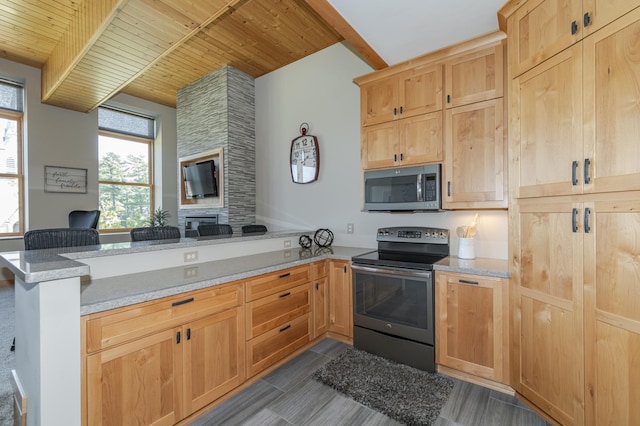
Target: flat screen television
{"type": "Point", "coordinates": [200, 179]}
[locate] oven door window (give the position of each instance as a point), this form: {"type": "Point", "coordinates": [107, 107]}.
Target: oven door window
{"type": "Point", "coordinates": [395, 303]}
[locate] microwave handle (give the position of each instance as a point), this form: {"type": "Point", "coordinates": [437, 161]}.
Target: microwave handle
{"type": "Point", "coordinates": [420, 196]}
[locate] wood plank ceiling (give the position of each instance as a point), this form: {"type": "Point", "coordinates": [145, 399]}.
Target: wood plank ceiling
{"type": "Point", "coordinates": [90, 50]}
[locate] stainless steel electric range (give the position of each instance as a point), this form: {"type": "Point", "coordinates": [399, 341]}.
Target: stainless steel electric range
{"type": "Point", "coordinates": [393, 295]}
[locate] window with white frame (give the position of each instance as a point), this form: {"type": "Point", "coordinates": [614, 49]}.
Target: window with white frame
{"type": "Point", "coordinates": [125, 169]}
{"type": "Point", "coordinates": [11, 178]}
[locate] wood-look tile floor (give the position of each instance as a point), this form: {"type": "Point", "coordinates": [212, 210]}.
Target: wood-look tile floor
{"type": "Point", "coordinates": [288, 396]}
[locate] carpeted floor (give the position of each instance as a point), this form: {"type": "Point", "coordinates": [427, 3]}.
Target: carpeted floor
{"type": "Point", "coordinates": [406, 394]}
{"type": "Point", "coordinates": [7, 358]}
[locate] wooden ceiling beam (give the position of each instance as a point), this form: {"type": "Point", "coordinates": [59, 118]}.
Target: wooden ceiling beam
{"type": "Point", "coordinates": [335, 20]}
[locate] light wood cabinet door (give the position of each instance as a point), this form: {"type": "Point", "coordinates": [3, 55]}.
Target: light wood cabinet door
{"type": "Point", "coordinates": [340, 298]}
{"type": "Point", "coordinates": [420, 91]}
{"type": "Point", "coordinates": [474, 77]}
{"type": "Point", "coordinates": [612, 309]}
{"type": "Point", "coordinates": [137, 383]}
{"type": "Point", "coordinates": [320, 289]}
{"type": "Point", "coordinates": [546, 122]}
{"type": "Point", "coordinates": [420, 139]}
{"type": "Point", "coordinates": [214, 358]}
{"type": "Point", "coordinates": [612, 112]}
{"type": "Point", "coordinates": [540, 29]}
{"type": "Point", "coordinates": [472, 324]}
{"type": "Point", "coordinates": [379, 146]}
{"type": "Point", "coordinates": [379, 101]}
{"type": "Point", "coordinates": [476, 156]}
{"type": "Point", "coordinates": [406, 94]}
{"type": "Point", "coordinates": [547, 308]}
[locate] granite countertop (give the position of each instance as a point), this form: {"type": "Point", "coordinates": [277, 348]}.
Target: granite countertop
{"type": "Point", "coordinates": [114, 292]}
{"type": "Point", "coordinates": [51, 264]}
{"type": "Point", "coordinates": [479, 266]}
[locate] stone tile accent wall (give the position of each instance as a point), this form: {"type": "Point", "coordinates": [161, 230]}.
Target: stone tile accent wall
{"type": "Point", "coordinates": [219, 111]}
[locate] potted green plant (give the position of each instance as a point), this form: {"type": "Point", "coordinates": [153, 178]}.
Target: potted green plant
{"type": "Point", "coordinates": [159, 218]}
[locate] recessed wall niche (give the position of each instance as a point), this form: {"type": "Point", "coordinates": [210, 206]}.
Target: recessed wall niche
{"type": "Point", "coordinates": [186, 202]}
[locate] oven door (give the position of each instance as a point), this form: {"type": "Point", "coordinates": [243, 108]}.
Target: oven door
{"type": "Point", "coordinates": [397, 302]}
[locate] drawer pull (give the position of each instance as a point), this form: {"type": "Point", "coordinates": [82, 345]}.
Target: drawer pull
{"type": "Point", "coordinates": [178, 337]}
{"type": "Point", "coordinates": [182, 302]}
{"type": "Point", "coordinates": [285, 275]}
{"type": "Point", "coordinates": [285, 328]}
{"type": "Point", "coordinates": [468, 282]}
{"type": "Point", "coordinates": [285, 294]}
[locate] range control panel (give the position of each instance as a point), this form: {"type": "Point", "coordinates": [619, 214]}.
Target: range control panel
{"type": "Point", "coordinates": [413, 234]}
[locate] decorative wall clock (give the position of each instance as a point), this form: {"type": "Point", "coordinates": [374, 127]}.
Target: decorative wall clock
{"type": "Point", "coordinates": [304, 157]}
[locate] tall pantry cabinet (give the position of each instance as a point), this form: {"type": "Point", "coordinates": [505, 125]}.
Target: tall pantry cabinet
{"type": "Point", "coordinates": [574, 121]}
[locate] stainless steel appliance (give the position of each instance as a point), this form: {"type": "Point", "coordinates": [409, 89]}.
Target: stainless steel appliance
{"type": "Point", "coordinates": [393, 295]}
{"type": "Point", "coordinates": [403, 189]}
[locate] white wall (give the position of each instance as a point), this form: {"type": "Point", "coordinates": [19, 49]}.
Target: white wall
{"type": "Point", "coordinates": [319, 90]}
{"type": "Point", "coordinates": [60, 137]}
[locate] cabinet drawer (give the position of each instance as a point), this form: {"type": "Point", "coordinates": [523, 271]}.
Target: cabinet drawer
{"type": "Point", "coordinates": [110, 328]}
{"type": "Point", "coordinates": [277, 309]}
{"type": "Point", "coordinates": [268, 284]}
{"type": "Point", "coordinates": [270, 347]}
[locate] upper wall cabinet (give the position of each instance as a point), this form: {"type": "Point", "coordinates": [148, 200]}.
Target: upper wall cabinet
{"type": "Point", "coordinates": [411, 141]}
{"type": "Point", "coordinates": [542, 28]}
{"type": "Point", "coordinates": [572, 119]}
{"type": "Point", "coordinates": [407, 94]}
{"type": "Point", "coordinates": [474, 77]}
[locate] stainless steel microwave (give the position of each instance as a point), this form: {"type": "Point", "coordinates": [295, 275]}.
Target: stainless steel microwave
{"type": "Point", "coordinates": [414, 188]}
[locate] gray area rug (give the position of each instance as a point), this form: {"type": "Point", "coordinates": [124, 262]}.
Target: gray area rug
{"type": "Point", "coordinates": [406, 394]}
{"type": "Point", "coordinates": [7, 358]}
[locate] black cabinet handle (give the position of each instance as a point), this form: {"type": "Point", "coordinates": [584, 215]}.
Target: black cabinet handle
{"type": "Point", "coordinates": [345, 269]}
{"type": "Point", "coordinates": [284, 275]}
{"type": "Point", "coordinates": [574, 173]}
{"type": "Point", "coordinates": [574, 220]}
{"type": "Point", "coordinates": [468, 282]}
{"type": "Point", "coordinates": [587, 213]}
{"type": "Point", "coordinates": [586, 19]}
{"type": "Point", "coordinates": [401, 110]}
{"type": "Point", "coordinates": [401, 156]}
{"type": "Point", "coordinates": [178, 337]}
{"type": "Point", "coordinates": [448, 99]}
{"type": "Point", "coordinates": [449, 188]}
{"type": "Point", "coordinates": [395, 157]}
{"type": "Point", "coordinates": [182, 302]}
{"type": "Point", "coordinates": [574, 28]}
{"type": "Point", "coordinates": [395, 111]}
{"type": "Point", "coordinates": [285, 294]}
{"type": "Point", "coordinates": [587, 163]}
{"type": "Point", "coordinates": [285, 328]}
{"type": "Point", "coordinates": [188, 333]}
{"type": "Point", "coordinates": [317, 286]}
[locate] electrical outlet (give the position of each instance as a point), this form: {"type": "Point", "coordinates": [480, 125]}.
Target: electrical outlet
{"type": "Point", "coordinates": [287, 254]}
{"type": "Point", "coordinates": [349, 228]}
{"type": "Point", "coordinates": [191, 272]}
{"type": "Point", "coordinates": [287, 243]}
{"type": "Point", "coordinates": [191, 256]}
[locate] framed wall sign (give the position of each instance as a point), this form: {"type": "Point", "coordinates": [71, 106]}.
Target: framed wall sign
{"type": "Point", "coordinates": [65, 179]}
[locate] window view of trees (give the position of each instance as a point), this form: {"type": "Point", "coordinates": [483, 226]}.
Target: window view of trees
{"type": "Point", "coordinates": [124, 181]}
{"type": "Point", "coordinates": [9, 176]}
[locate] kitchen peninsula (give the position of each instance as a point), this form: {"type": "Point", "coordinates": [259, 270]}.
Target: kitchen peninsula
{"type": "Point", "coordinates": [54, 288]}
